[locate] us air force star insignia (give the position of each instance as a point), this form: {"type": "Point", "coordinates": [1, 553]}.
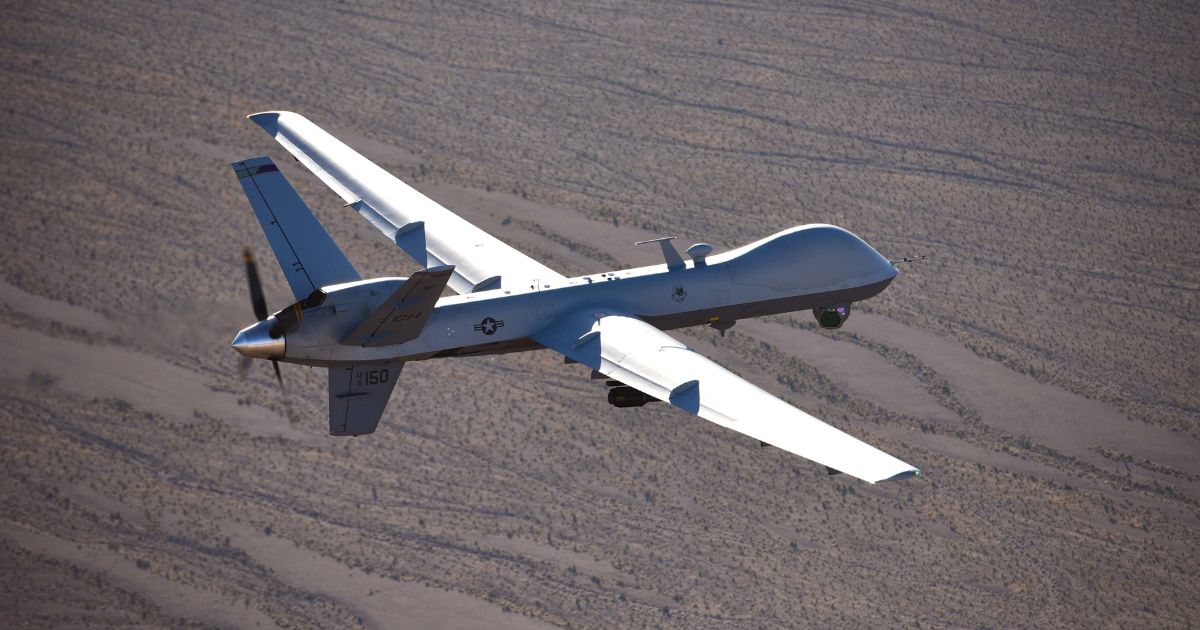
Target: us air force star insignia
{"type": "Point", "coordinates": [488, 326]}
{"type": "Point", "coordinates": [679, 294]}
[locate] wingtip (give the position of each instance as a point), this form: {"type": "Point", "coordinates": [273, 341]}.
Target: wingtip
{"type": "Point", "coordinates": [912, 472]}
{"type": "Point", "coordinates": [274, 113]}
{"type": "Point", "coordinates": [268, 120]}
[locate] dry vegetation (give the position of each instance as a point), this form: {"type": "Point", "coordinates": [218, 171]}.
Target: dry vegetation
{"type": "Point", "coordinates": [1046, 158]}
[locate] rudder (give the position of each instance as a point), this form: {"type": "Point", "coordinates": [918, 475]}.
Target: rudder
{"type": "Point", "coordinates": [358, 395]}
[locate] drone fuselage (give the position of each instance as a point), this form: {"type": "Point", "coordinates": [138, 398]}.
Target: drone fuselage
{"type": "Point", "coordinates": [802, 268]}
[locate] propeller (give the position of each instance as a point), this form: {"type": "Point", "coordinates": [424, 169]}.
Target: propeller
{"type": "Point", "coordinates": [259, 302]}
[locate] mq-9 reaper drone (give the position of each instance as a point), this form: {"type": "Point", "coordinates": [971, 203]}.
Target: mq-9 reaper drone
{"type": "Point", "coordinates": [364, 331]}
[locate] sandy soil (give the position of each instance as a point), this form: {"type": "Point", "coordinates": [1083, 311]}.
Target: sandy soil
{"type": "Point", "coordinates": [1039, 367]}
{"type": "Point", "coordinates": [99, 371]}
{"type": "Point", "coordinates": [173, 598]}
{"type": "Point", "coordinates": [382, 602]}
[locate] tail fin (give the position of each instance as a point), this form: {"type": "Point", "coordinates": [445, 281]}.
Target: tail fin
{"type": "Point", "coordinates": [402, 316]}
{"type": "Point", "coordinates": [308, 257]}
{"type": "Point", "coordinates": [358, 396]}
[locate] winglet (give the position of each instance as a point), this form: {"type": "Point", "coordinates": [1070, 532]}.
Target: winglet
{"type": "Point", "coordinates": [267, 120]}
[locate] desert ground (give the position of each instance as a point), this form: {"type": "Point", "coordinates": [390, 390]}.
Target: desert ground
{"type": "Point", "coordinates": [1040, 366]}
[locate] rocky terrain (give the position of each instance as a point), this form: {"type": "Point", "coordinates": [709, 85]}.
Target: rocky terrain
{"type": "Point", "coordinates": [1039, 367]}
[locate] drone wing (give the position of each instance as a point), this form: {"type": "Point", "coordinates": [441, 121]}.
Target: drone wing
{"type": "Point", "coordinates": [431, 234]}
{"type": "Point", "coordinates": [639, 355]}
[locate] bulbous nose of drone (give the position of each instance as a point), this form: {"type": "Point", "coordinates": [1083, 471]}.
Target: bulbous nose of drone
{"type": "Point", "coordinates": [256, 342]}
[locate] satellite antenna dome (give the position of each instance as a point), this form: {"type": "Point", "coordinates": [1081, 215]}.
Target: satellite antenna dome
{"type": "Point", "coordinates": [698, 252]}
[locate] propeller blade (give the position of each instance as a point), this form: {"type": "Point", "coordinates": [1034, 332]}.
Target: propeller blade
{"type": "Point", "coordinates": [244, 367]}
{"type": "Point", "coordinates": [257, 300]}
{"type": "Point", "coordinates": [278, 375]}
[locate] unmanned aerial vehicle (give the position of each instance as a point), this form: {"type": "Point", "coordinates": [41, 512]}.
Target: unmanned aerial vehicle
{"type": "Point", "coordinates": [364, 330]}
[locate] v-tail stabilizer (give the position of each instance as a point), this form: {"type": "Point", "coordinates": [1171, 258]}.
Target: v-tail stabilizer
{"type": "Point", "coordinates": [310, 259]}
{"type": "Point", "coordinates": [358, 395]}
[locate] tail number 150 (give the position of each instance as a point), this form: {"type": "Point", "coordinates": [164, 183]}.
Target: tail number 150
{"type": "Point", "coordinates": [371, 377]}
